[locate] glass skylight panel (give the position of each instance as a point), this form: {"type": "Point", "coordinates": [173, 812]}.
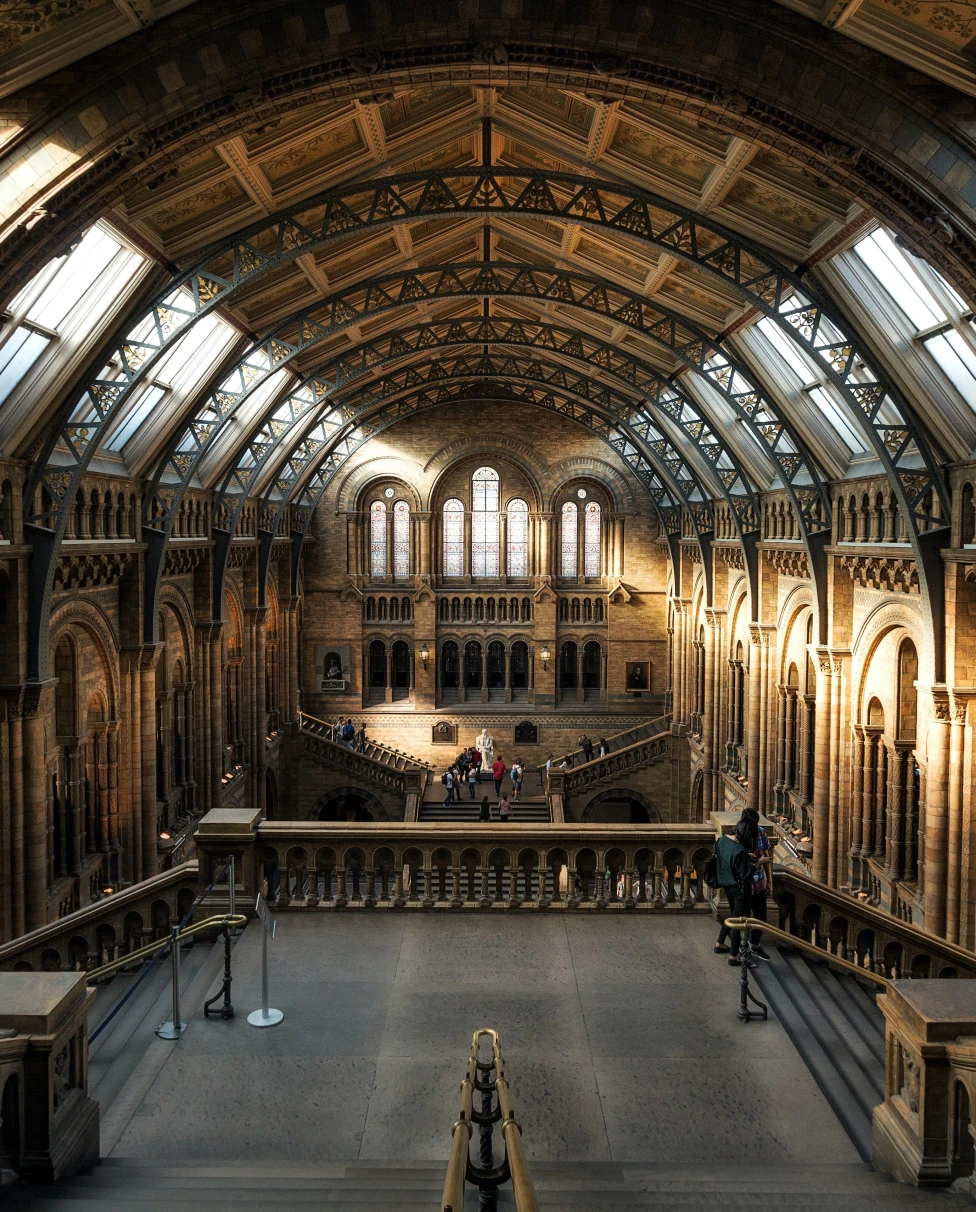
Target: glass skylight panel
{"type": "Point", "coordinates": [787, 349]}
{"type": "Point", "coordinates": [835, 418]}
{"type": "Point", "coordinates": [139, 413]}
{"type": "Point", "coordinates": [76, 275]}
{"type": "Point", "coordinates": [893, 269]}
{"type": "Point", "coordinates": [18, 354]}
{"type": "Point", "coordinates": [193, 348]}
{"type": "Point", "coordinates": [957, 361]}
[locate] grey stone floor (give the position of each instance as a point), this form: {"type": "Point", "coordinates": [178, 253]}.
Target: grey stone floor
{"type": "Point", "coordinates": [620, 1039]}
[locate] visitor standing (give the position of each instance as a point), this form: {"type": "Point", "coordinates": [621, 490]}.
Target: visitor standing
{"type": "Point", "coordinates": [735, 870]}
{"type": "Point", "coordinates": [485, 813]}
{"type": "Point", "coordinates": [587, 746]}
{"type": "Point", "coordinates": [448, 780]}
{"type": "Point", "coordinates": [348, 733]}
{"type": "Point", "coordinates": [476, 762]}
{"type": "Point", "coordinates": [498, 773]}
{"type": "Point", "coordinates": [762, 883]}
{"type": "Point", "coordinates": [504, 809]}
{"type": "Point", "coordinates": [472, 778]}
{"type": "Point", "coordinates": [361, 739]}
{"type": "Point", "coordinates": [516, 776]}
{"type": "Point", "coordinates": [604, 746]}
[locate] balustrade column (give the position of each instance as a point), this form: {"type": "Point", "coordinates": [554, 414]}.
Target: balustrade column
{"type": "Point", "coordinates": [957, 744]}
{"type": "Point", "coordinates": [857, 808]}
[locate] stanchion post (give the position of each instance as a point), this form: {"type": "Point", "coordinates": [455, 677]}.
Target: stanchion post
{"type": "Point", "coordinates": [175, 1028]}
{"type": "Point", "coordinates": [266, 1016]}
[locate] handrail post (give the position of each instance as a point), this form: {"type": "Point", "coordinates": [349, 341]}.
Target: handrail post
{"type": "Point", "coordinates": [175, 1028]}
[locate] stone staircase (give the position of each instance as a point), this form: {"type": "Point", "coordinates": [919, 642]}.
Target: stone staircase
{"type": "Point", "coordinates": [838, 1030]}
{"type": "Point", "coordinates": [532, 810]}
{"type": "Point", "coordinates": [124, 1185]}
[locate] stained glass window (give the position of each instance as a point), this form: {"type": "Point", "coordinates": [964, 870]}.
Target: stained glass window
{"type": "Point", "coordinates": [377, 539]}
{"type": "Point", "coordinates": [453, 538]}
{"type": "Point", "coordinates": [484, 523]}
{"type": "Point", "coordinates": [591, 540]}
{"type": "Point", "coordinates": [518, 538]}
{"type": "Point", "coordinates": [570, 539]}
{"type": "Point", "coordinates": [401, 539]}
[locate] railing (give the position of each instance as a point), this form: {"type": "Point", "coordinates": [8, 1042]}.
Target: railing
{"type": "Point", "coordinates": [617, 740]}
{"type": "Point", "coordinates": [653, 748]}
{"type": "Point", "coordinates": [441, 866]}
{"type": "Point", "coordinates": [496, 1106]}
{"type": "Point", "coordinates": [101, 932]}
{"type": "Point", "coordinates": [869, 938]}
{"type": "Point", "coordinates": [376, 752]}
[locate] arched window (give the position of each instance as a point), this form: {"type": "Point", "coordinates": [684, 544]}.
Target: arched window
{"type": "Point", "coordinates": [377, 539]}
{"type": "Point", "coordinates": [907, 694]}
{"type": "Point", "coordinates": [484, 523]}
{"type": "Point", "coordinates": [567, 665]}
{"type": "Point", "coordinates": [591, 539]}
{"type": "Point", "coordinates": [569, 540]}
{"type": "Point", "coordinates": [518, 538]}
{"type": "Point", "coordinates": [453, 538]}
{"type": "Point", "coordinates": [401, 539]}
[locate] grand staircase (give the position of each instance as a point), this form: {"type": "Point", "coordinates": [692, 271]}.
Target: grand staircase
{"type": "Point", "coordinates": [836, 1027]}
{"type": "Point", "coordinates": [213, 1186]}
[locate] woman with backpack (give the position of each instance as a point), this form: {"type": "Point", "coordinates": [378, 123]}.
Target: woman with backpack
{"type": "Point", "coordinates": [734, 872]}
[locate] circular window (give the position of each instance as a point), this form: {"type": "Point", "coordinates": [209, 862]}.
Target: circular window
{"type": "Point", "coordinates": [388, 493]}
{"type": "Point", "coordinates": [581, 493]}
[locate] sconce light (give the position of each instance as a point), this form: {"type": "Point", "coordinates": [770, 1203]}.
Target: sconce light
{"type": "Point", "coordinates": [545, 654]}
{"type": "Point", "coordinates": [424, 653]}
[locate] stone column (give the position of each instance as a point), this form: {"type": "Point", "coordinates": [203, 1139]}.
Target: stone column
{"type": "Point", "coordinates": [712, 705]}
{"type": "Point", "coordinates": [216, 723]}
{"type": "Point", "coordinates": [880, 800]}
{"type": "Point", "coordinates": [423, 522]}
{"type": "Point", "coordinates": [545, 544]}
{"type": "Point", "coordinates": [790, 768]}
{"type": "Point", "coordinates": [936, 814]}
{"type": "Point", "coordinates": [957, 776]}
{"type": "Point", "coordinates": [291, 672]}
{"type": "Point", "coordinates": [857, 809]}
{"type": "Point", "coordinates": [618, 545]}
{"type": "Point", "coordinates": [779, 786]}
{"type": "Point", "coordinates": [808, 715]}
{"type": "Point", "coordinates": [147, 693]}
{"type": "Point", "coordinates": [467, 543]}
{"type": "Point", "coordinates": [821, 769]}
{"type": "Point", "coordinates": [352, 544]}
{"type": "Point", "coordinates": [895, 840]}
{"type": "Point", "coordinates": [503, 544]}
{"type": "Point", "coordinates": [259, 708]}
{"type": "Point", "coordinates": [37, 703]}
{"type": "Point", "coordinates": [753, 731]}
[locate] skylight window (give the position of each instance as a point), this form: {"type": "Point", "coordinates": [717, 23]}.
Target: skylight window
{"type": "Point", "coordinates": [19, 353]}
{"type": "Point", "coordinates": [900, 278]}
{"type": "Point", "coordinates": [787, 350]}
{"type": "Point", "coordinates": [77, 274]}
{"type": "Point", "coordinates": [139, 413]}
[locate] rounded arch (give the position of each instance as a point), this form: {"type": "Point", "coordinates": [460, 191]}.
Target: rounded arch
{"type": "Point", "coordinates": [612, 487]}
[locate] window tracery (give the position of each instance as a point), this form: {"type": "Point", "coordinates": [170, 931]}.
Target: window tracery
{"type": "Point", "coordinates": [484, 523]}
{"type": "Point", "coordinates": [377, 539]}
{"type": "Point", "coordinates": [518, 538]}
{"type": "Point", "coordinates": [453, 538]}
{"type": "Point", "coordinates": [401, 539]}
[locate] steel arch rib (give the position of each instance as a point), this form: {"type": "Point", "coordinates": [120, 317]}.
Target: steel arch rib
{"type": "Point", "coordinates": [275, 432]}
{"type": "Point", "coordinates": [746, 267]}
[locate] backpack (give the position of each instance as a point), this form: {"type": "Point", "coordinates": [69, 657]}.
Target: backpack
{"type": "Point", "coordinates": [444, 778]}
{"type": "Point", "coordinates": [710, 874]}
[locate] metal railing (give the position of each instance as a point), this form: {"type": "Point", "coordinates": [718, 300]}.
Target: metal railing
{"type": "Point", "coordinates": [615, 742]}
{"type": "Point", "coordinates": [486, 1078]}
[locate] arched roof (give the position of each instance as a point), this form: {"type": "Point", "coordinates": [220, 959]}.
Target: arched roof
{"type": "Point", "coordinates": [353, 221]}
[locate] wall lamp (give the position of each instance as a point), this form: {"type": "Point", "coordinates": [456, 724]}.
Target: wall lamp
{"type": "Point", "coordinates": [424, 653]}
{"type": "Point", "coordinates": [545, 654]}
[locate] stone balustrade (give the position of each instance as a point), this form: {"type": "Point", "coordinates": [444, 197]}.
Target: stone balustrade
{"type": "Point", "coordinates": [304, 865]}
{"type": "Point", "coordinates": [108, 928]}
{"type": "Point", "coordinates": [856, 931]}
{"type": "Point", "coordinates": [923, 1131]}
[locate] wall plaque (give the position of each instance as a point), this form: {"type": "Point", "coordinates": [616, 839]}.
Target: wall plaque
{"type": "Point", "coordinates": [444, 733]}
{"type": "Point", "coordinates": [526, 733]}
{"type": "Point", "coordinates": [332, 667]}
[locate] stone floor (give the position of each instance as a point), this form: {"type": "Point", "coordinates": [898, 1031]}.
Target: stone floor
{"type": "Point", "coordinates": [620, 1037]}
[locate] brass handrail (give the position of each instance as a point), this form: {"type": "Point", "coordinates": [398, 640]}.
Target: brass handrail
{"type": "Point", "coordinates": [459, 1166]}
{"type": "Point", "coordinates": [221, 919]}
{"type": "Point", "coordinates": [753, 923]}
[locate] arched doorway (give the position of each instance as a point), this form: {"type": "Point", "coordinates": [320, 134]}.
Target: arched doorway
{"type": "Point", "coordinates": [567, 671]}
{"type": "Point", "coordinates": [377, 672]}
{"type": "Point", "coordinates": [592, 670]}
{"type": "Point", "coordinates": [449, 672]}
{"type": "Point", "coordinates": [348, 804]}
{"type": "Point", "coordinates": [520, 670]}
{"type": "Point", "coordinates": [472, 666]}
{"type": "Point", "coordinates": [400, 657]}
{"type": "Point", "coordinates": [496, 670]}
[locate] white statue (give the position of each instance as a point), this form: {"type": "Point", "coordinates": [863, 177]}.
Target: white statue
{"type": "Point", "coordinates": [485, 744]}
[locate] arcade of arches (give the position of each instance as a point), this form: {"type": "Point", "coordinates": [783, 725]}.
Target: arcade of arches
{"type": "Point", "coordinates": [451, 372]}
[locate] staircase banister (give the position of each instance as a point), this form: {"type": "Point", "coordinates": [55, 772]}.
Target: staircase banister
{"type": "Point", "coordinates": [801, 944]}
{"type": "Point", "coordinates": [877, 919]}
{"type": "Point", "coordinates": [660, 722]}
{"type": "Point", "coordinates": [80, 919]}
{"type": "Point", "coordinates": [386, 755]}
